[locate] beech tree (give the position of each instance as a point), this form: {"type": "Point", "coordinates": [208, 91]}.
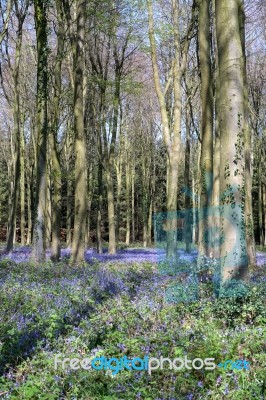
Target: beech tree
{"type": "Point", "coordinates": [78, 245]}
{"type": "Point", "coordinates": [128, 105]}
{"type": "Point", "coordinates": [171, 128]}
{"type": "Point", "coordinates": [232, 129]}
{"type": "Point", "coordinates": [40, 13]}
{"type": "Point", "coordinates": [206, 158]}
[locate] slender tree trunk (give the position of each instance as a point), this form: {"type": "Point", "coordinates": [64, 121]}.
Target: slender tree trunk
{"type": "Point", "coordinates": [78, 245]}
{"type": "Point", "coordinates": [29, 204]}
{"type": "Point", "coordinates": [118, 199]}
{"type": "Point", "coordinates": [127, 203]}
{"type": "Point", "coordinates": [22, 184]}
{"type": "Point", "coordinates": [264, 210]}
{"type": "Point", "coordinates": [172, 140]}
{"type": "Point", "coordinates": [68, 151]}
{"type": "Point", "coordinates": [57, 180]}
{"type": "Point", "coordinates": [194, 205]}
{"type": "Point", "coordinates": [145, 214]}
{"type": "Point", "coordinates": [42, 130]}
{"type": "Point", "coordinates": [133, 202]}
{"type": "Point", "coordinates": [101, 128]}
{"type": "Point", "coordinates": [149, 230]}
{"type": "Point", "coordinates": [69, 213]}
{"type": "Point", "coordinates": [89, 204]}
{"type": "Point", "coordinates": [48, 214]}
{"type": "Point", "coordinates": [99, 206]}
{"type": "Point", "coordinates": [145, 197]}
{"type": "Point", "coordinates": [109, 165]}
{"type": "Point", "coordinates": [206, 160]}
{"type": "Point", "coordinates": [247, 139]}
{"type": "Point", "coordinates": [216, 155]}
{"type": "Point", "coordinates": [260, 208]}
{"type": "Point", "coordinates": [111, 210]}
{"type": "Point", "coordinates": [16, 141]}
{"type": "Point", "coordinates": [10, 188]}
{"type": "Point", "coordinates": [188, 219]}
{"type": "Point", "coordinates": [217, 149]}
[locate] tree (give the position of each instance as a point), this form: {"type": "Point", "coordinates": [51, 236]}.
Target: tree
{"type": "Point", "coordinates": [250, 241]}
{"type": "Point", "coordinates": [78, 245]}
{"type": "Point", "coordinates": [20, 12]}
{"type": "Point", "coordinates": [171, 129]}
{"type": "Point", "coordinates": [40, 12]}
{"type": "Point", "coordinates": [231, 111]}
{"type": "Point", "coordinates": [57, 181]}
{"type": "Point", "coordinates": [206, 158]}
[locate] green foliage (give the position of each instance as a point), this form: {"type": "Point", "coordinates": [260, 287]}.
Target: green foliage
{"type": "Point", "coordinates": [233, 289]}
{"type": "Point", "coordinates": [121, 310]}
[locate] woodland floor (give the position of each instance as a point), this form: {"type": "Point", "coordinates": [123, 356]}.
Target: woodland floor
{"type": "Point", "coordinates": [120, 307]}
{"type": "Point", "coordinates": [128, 255]}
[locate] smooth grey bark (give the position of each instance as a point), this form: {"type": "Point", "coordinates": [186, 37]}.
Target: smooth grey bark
{"type": "Point", "coordinates": [233, 256]}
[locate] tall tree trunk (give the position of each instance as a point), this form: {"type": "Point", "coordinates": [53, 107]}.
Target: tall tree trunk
{"type": "Point", "coordinates": [172, 139]}
{"type": "Point", "coordinates": [29, 203]}
{"type": "Point", "coordinates": [57, 181]}
{"type": "Point", "coordinates": [133, 202]}
{"type": "Point", "coordinates": [149, 230]}
{"type": "Point", "coordinates": [111, 209]}
{"type": "Point", "coordinates": [69, 214]}
{"type": "Point", "coordinates": [264, 209]}
{"type": "Point", "coordinates": [145, 195]}
{"type": "Point", "coordinates": [68, 152]}
{"type": "Point", "coordinates": [78, 245]}
{"type": "Point", "coordinates": [217, 151]}
{"type": "Point", "coordinates": [89, 204]}
{"type": "Point", "coordinates": [16, 140]}
{"type": "Point", "coordinates": [194, 206]}
{"type": "Point", "coordinates": [206, 160]}
{"type": "Point", "coordinates": [109, 164]}
{"type": "Point", "coordinates": [99, 204]}
{"type": "Point", "coordinates": [127, 202]}
{"type": "Point", "coordinates": [234, 262]}
{"type": "Point", "coordinates": [145, 214]}
{"type": "Point", "coordinates": [188, 219]}
{"type": "Point", "coordinates": [217, 154]}
{"type": "Point", "coordinates": [118, 199]}
{"type": "Point", "coordinates": [42, 130]}
{"type": "Point", "coordinates": [247, 140]}
{"type": "Point", "coordinates": [260, 209]}
{"type": "Point", "coordinates": [48, 214]}
{"type": "Point", "coordinates": [22, 184]}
